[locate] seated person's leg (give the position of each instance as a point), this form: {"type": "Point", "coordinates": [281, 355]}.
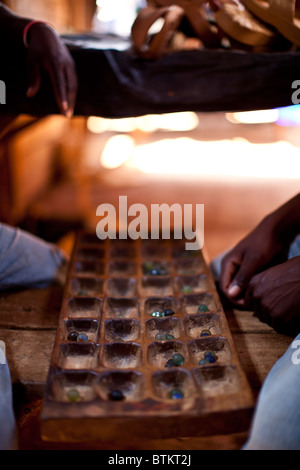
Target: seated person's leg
{"type": "Point", "coordinates": [8, 431]}
{"type": "Point", "coordinates": [276, 422]}
{"type": "Point", "coordinates": [294, 248]}
{"type": "Point", "coordinates": [27, 261]}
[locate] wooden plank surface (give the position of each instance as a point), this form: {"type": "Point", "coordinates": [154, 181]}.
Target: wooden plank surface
{"type": "Point", "coordinates": [28, 321]}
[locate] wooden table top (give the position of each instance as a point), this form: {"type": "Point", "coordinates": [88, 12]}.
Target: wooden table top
{"type": "Point", "coordinates": [28, 322]}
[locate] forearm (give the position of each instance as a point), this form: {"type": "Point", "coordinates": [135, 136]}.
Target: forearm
{"type": "Point", "coordinates": [46, 51]}
{"type": "Point", "coordinates": [285, 221]}
{"type": "Point", "coordinates": [11, 26]}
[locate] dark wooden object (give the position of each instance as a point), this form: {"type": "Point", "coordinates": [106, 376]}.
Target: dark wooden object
{"type": "Point", "coordinates": [28, 323]}
{"type": "Point", "coordinates": [108, 297]}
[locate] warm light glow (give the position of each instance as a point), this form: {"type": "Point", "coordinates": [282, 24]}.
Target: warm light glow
{"type": "Point", "coordinates": [232, 158]}
{"type": "Point", "coordinates": [117, 151]}
{"type": "Point", "coordinates": [107, 10]}
{"type": "Point", "coordinates": [183, 122]}
{"type": "Point", "coordinates": [97, 125]}
{"type": "Point", "coordinates": [116, 16]}
{"type": "Point", "coordinates": [254, 117]}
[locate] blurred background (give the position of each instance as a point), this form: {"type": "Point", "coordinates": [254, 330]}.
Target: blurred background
{"type": "Point", "coordinates": [55, 172]}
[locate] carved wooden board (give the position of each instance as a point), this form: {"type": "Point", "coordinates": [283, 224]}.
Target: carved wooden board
{"type": "Point", "coordinates": [143, 315]}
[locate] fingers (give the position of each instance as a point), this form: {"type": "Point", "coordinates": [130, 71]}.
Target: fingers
{"type": "Point", "coordinates": [230, 266]}
{"type": "Point", "coordinates": [238, 268]}
{"type": "Point", "coordinates": [259, 296]}
{"type": "Point", "coordinates": [57, 77]}
{"type": "Point", "coordinates": [72, 87]}
{"type": "Point", "coordinates": [50, 54]}
{"type": "Point", "coordinates": [240, 282]}
{"type": "Point", "coordinates": [34, 79]}
{"type": "Point", "coordinates": [64, 83]}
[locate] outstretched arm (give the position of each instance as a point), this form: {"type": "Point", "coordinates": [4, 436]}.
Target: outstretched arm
{"type": "Point", "coordinates": [45, 50]}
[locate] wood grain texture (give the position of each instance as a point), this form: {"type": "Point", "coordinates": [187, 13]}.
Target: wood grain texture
{"type": "Point", "coordinates": [258, 348]}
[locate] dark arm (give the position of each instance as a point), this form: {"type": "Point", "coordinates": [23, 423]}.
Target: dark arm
{"type": "Point", "coordinates": [45, 50]}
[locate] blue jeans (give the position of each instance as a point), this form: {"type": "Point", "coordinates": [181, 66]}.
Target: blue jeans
{"type": "Point", "coordinates": [25, 261]}
{"type": "Point", "coordinates": [276, 420]}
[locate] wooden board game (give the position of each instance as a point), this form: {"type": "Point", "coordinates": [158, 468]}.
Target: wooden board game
{"type": "Point", "coordinates": [142, 347]}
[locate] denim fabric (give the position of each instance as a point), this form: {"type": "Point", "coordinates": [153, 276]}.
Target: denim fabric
{"type": "Point", "coordinates": [276, 421]}
{"type": "Point", "coordinates": [295, 248]}
{"type": "Point", "coordinates": [8, 430]}
{"type": "Point", "coordinates": [25, 261]}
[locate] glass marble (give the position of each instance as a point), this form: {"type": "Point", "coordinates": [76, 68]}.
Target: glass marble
{"type": "Point", "coordinates": [154, 269]}
{"type": "Point", "coordinates": [187, 289]}
{"type": "Point", "coordinates": [170, 363]}
{"type": "Point", "coordinates": [155, 314]}
{"type": "Point", "coordinates": [178, 359]}
{"type": "Point", "coordinates": [82, 338]}
{"type": "Point", "coordinates": [73, 335]}
{"type": "Point", "coordinates": [116, 395]}
{"type": "Point", "coordinates": [210, 356]}
{"type": "Point", "coordinates": [73, 396]}
{"type": "Point", "coordinates": [160, 337]}
{"type": "Point", "coordinates": [203, 308]}
{"type": "Point", "coordinates": [170, 337]}
{"type": "Point", "coordinates": [147, 267]}
{"type": "Point", "coordinates": [154, 272]}
{"type": "Point", "coordinates": [83, 292]}
{"type": "Point", "coordinates": [205, 333]}
{"type": "Point", "coordinates": [211, 359]}
{"type": "Point", "coordinates": [169, 312]}
{"type": "Point", "coordinates": [209, 353]}
{"type": "Point", "coordinates": [204, 361]}
{"type": "Point", "coordinates": [175, 394]}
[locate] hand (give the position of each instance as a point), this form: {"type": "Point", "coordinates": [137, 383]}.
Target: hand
{"type": "Point", "coordinates": [275, 295]}
{"type": "Point", "coordinates": [254, 253]}
{"type": "Point", "coordinates": [46, 50]}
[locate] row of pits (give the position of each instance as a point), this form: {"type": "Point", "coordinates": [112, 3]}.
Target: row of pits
{"type": "Point", "coordinates": [132, 307]}
{"type": "Point", "coordinates": [205, 382]}
{"type": "Point", "coordinates": [129, 355]}
{"type": "Point", "coordinates": [130, 329]}
{"type": "Point", "coordinates": [128, 250]}
{"type": "Point", "coordinates": [130, 287]}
